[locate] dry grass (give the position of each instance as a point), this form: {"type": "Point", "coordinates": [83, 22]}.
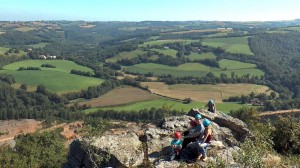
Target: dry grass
{"type": "Point", "coordinates": [271, 161]}
{"type": "Point", "coordinates": [203, 93]}
{"type": "Point", "coordinates": [119, 96]}
{"type": "Point", "coordinates": [12, 128]}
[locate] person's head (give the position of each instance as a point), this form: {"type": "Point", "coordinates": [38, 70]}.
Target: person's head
{"type": "Point", "coordinates": [206, 122]}
{"type": "Point", "coordinates": [177, 135]}
{"type": "Point", "coordinates": [211, 102]}
{"type": "Point", "coordinates": [198, 118]}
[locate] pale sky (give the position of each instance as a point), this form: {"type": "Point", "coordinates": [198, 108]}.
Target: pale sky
{"type": "Point", "coordinates": [158, 10]}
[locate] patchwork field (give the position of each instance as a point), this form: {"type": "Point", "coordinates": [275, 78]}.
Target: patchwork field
{"type": "Point", "coordinates": [120, 96]}
{"type": "Point", "coordinates": [57, 79]}
{"type": "Point", "coordinates": [293, 28]}
{"type": "Point", "coordinates": [231, 44]}
{"type": "Point", "coordinates": [196, 69]}
{"type": "Point", "coordinates": [190, 69]}
{"type": "Point", "coordinates": [177, 105]}
{"type": "Point", "coordinates": [5, 49]}
{"type": "Point", "coordinates": [196, 56]}
{"type": "Point", "coordinates": [39, 45]}
{"type": "Point", "coordinates": [216, 35]}
{"type": "Point", "coordinates": [25, 29]}
{"type": "Point", "coordinates": [203, 93]}
{"type": "Point", "coordinates": [231, 64]}
{"type": "Point", "coordinates": [169, 52]}
{"type": "Point", "coordinates": [202, 30]}
{"type": "Point", "coordinates": [161, 42]}
{"type": "Point", "coordinates": [127, 55]}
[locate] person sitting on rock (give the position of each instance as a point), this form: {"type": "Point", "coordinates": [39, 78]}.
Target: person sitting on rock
{"type": "Point", "coordinates": [176, 144]}
{"type": "Point", "coordinates": [207, 138]}
{"type": "Point", "coordinates": [211, 106]}
{"type": "Point", "coordinates": [195, 131]}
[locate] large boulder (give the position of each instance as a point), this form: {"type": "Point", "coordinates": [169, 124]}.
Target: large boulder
{"type": "Point", "coordinates": [238, 127]}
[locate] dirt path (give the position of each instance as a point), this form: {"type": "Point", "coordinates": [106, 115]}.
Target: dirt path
{"type": "Point", "coordinates": [279, 112]}
{"type": "Point", "coordinates": [6, 139]}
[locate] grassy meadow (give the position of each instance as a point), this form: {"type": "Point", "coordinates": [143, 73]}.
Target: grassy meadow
{"type": "Point", "coordinates": [293, 28]}
{"type": "Point", "coordinates": [216, 35]}
{"type": "Point", "coordinates": [230, 44]}
{"type": "Point", "coordinates": [231, 64]}
{"type": "Point", "coordinates": [189, 69]}
{"type": "Point", "coordinates": [161, 42]}
{"type": "Point", "coordinates": [5, 49]}
{"type": "Point", "coordinates": [24, 29]}
{"type": "Point", "coordinates": [202, 30]}
{"type": "Point", "coordinates": [127, 55]}
{"type": "Point", "coordinates": [39, 45]}
{"type": "Point", "coordinates": [57, 79]}
{"type": "Point", "coordinates": [196, 69]}
{"type": "Point", "coordinates": [169, 52]}
{"type": "Point", "coordinates": [158, 103]}
{"type": "Point", "coordinates": [196, 56]}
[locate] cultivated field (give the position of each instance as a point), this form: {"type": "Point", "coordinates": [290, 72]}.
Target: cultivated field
{"type": "Point", "coordinates": [5, 49]}
{"type": "Point", "coordinates": [87, 26]}
{"type": "Point", "coordinates": [190, 69]}
{"type": "Point", "coordinates": [196, 69]}
{"type": "Point", "coordinates": [24, 29]}
{"type": "Point", "coordinates": [128, 55]}
{"type": "Point", "coordinates": [120, 96]}
{"type": "Point", "coordinates": [216, 35]}
{"type": "Point", "coordinates": [231, 64]}
{"type": "Point", "coordinates": [176, 105]}
{"type": "Point", "coordinates": [57, 79]}
{"type": "Point", "coordinates": [39, 45]}
{"type": "Point", "coordinates": [203, 93]}
{"type": "Point", "coordinates": [202, 30]}
{"type": "Point", "coordinates": [196, 56]}
{"type": "Point", "coordinates": [231, 44]}
{"type": "Point", "coordinates": [161, 42]}
{"type": "Point", "coordinates": [169, 52]}
{"type": "Point", "coordinates": [293, 28]}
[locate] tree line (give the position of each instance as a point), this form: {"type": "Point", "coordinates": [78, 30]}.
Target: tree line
{"type": "Point", "coordinates": [21, 104]}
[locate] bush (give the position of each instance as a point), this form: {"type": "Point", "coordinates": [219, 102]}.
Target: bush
{"type": "Point", "coordinates": [286, 135]}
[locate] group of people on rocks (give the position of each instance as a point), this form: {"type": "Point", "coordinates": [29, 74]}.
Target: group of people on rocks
{"type": "Point", "coordinates": [194, 140]}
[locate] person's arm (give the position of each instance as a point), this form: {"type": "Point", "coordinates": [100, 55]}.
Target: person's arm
{"type": "Point", "coordinates": [206, 133]}
{"type": "Point", "coordinates": [215, 107]}
{"type": "Point", "coordinates": [188, 129]}
{"type": "Point", "coordinates": [193, 135]}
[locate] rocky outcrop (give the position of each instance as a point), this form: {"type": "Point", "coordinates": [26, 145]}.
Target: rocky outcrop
{"type": "Point", "coordinates": [238, 127]}
{"type": "Point", "coordinates": [130, 148]}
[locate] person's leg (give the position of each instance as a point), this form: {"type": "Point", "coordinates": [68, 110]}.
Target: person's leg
{"type": "Point", "coordinates": [203, 150]}
{"type": "Point", "coordinates": [199, 151]}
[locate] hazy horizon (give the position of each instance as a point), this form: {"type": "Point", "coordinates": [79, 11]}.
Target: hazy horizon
{"type": "Point", "coordinates": [150, 10]}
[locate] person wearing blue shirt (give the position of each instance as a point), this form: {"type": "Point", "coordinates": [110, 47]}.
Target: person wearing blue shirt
{"type": "Point", "coordinates": [176, 144]}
